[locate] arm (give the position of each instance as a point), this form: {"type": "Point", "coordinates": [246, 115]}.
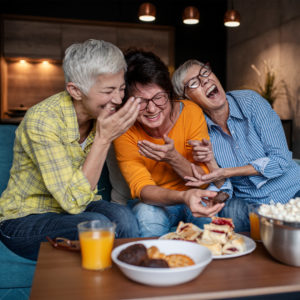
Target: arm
{"type": "Point", "coordinates": [60, 163]}
{"type": "Point", "coordinates": [193, 198]}
{"type": "Point", "coordinates": [177, 153]}
{"type": "Point", "coordinates": [108, 128]}
{"type": "Point", "coordinates": [275, 158]}
{"type": "Point", "coordinates": [169, 154]}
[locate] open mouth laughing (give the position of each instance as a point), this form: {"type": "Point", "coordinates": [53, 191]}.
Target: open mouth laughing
{"type": "Point", "coordinates": [212, 91]}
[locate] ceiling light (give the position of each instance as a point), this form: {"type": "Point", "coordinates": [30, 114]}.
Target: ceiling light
{"type": "Point", "coordinates": [191, 15]}
{"type": "Point", "coordinates": [147, 12]}
{"type": "Point", "coordinates": [232, 18]}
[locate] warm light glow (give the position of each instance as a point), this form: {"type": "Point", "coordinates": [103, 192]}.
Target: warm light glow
{"type": "Point", "coordinates": [147, 18]}
{"type": "Point", "coordinates": [190, 21]}
{"type": "Point", "coordinates": [22, 61]}
{"type": "Point", "coordinates": [232, 24]}
{"type": "Point", "coordinates": [45, 62]}
{"type": "Point", "coordinates": [147, 12]}
{"type": "Point", "coordinates": [191, 15]}
{"type": "Point", "coordinates": [232, 18]}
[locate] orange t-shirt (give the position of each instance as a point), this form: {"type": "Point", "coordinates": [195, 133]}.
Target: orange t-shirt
{"type": "Point", "coordinates": [140, 171]}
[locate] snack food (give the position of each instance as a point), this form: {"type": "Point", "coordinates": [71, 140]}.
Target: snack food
{"type": "Point", "coordinates": [179, 260]}
{"type": "Point", "coordinates": [188, 231]}
{"type": "Point", "coordinates": [220, 198]}
{"type": "Point", "coordinates": [139, 255]}
{"type": "Point", "coordinates": [234, 245]}
{"type": "Point", "coordinates": [134, 254]}
{"type": "Point", "coordinates": [218, 236]}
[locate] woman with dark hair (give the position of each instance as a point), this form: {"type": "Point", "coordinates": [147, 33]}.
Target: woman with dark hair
{"type": "Point", "coordinates": [154, 154]}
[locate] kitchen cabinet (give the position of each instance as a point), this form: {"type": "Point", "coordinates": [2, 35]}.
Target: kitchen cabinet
{"type": "Point", "coordinates": [41, 44]}
{"type": "Point", "coordinates": [33, 39]}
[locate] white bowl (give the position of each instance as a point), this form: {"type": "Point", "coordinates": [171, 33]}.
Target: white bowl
{"type": "Point", "coordinates": [166, 276]}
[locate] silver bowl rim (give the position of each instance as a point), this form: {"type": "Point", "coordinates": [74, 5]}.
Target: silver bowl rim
{"type": "Point", "coordinates": [280, 222]}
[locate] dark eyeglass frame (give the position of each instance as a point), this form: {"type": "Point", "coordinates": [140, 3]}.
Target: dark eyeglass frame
{"type": "Point", "coordinates": [147, 101]}
{"type": "Point", "coordinates": [64, 244]}
{"type": "Point", "coordinates": [198, 77]}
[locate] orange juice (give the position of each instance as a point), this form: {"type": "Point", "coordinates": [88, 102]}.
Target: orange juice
{"type": "Point", "coordinates": [96, 247]}
{"type": "Point", "coordinates": [254, 226]}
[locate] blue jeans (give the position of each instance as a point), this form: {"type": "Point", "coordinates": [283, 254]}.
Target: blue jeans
{"type": "Point", "coordinates": [237, 210]}
{"type": "Point", "coordinates": [23, 235]}
{"type": "Point", "coordinates": [157, 221]}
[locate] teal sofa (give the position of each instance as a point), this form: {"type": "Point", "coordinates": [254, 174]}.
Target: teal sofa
{"type": "Point", "coordinates": [16, 273]}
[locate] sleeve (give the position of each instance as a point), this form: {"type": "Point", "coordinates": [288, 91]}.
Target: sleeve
{"type": "Point", "coordinates": [226, 187]}
{"type": "Point", "coordinates": [131, 163]}
{"type": "Point", "coordinates": [196, 124]}
{"type": "Point", "coordinates": [269, 128]}
{"type": "Point", "coordinates": [48, 151]}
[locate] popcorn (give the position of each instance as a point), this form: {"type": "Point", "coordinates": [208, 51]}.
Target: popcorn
{"type": "Point", "coordinates": [289, 212]}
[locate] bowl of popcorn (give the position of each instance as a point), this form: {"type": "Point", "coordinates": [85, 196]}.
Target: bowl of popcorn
{"type": "Point", "coordinates": [161, 262]}
{"type": "Point", "coordinates": [280, 230]}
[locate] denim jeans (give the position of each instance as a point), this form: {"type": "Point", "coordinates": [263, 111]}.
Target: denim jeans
{"type": "Point", "coordinates": [157, 221]}
{"type": "Point", "coordinates": [23, 235]}
{"type": "Point", "coordinates": [237, 210]}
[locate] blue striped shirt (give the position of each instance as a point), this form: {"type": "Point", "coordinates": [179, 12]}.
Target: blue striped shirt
{"type": "Point", "coordinates": [257, 138]}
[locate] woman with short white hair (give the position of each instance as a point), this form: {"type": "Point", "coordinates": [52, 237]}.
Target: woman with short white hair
{"type": "Point", "coordinates": [248, 142]}
{"type": "Point", "coordinates": [60, 149]}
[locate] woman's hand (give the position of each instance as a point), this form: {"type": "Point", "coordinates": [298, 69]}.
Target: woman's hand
{"type": "Point", "coordinates": [111, 126]}
{"type": "Point", "coordinates": [198, 179]}
{"type": "Point", "coordinates": [202, 150]}
{"type": "Point", "coordinates": [166, 152]}
{"type": "Point", "coordinates": [194, 199]}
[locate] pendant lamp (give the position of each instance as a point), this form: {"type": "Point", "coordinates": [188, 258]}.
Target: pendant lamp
{"type": "Point", "coordinates": [191, 15]}
{"type": "Point", "coordinates": [147, 12]}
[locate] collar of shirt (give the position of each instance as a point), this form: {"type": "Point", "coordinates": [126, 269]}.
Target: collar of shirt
{"type": "Point", "coordinates": [71, 122]}
{"type": "Point", "coordinates": [234, 111]}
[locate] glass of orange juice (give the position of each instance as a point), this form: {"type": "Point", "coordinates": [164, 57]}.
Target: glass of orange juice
{"type": "Point", "coordinates": [96, 242]}
{"type": "Point", "coordinates": [254, 221]}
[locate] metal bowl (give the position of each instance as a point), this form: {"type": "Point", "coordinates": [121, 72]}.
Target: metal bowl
{"type": "Point", "coordinates": [281, 239]}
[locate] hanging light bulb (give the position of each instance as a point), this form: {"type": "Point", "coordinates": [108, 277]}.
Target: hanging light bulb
{"type": "Point", "coordinates": [147, 12]}
{"type": "Point", "coordinates": [232, 17]}
{"type": "Point", "coordinates": [191, 15]}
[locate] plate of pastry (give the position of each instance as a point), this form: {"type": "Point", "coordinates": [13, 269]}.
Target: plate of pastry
{"type": "Point", "coordinates": [218, 236]}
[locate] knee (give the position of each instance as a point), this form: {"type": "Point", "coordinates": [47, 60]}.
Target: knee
{"type": "Point", "coordinates": [127, 225]}
{"type": "Point", "coordinates": [152, 220]}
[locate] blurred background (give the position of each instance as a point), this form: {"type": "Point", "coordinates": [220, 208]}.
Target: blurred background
{"type": "Point", "coordinates": [262, 53]}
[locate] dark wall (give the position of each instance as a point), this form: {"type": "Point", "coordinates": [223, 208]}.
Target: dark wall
{"type": "Point", "coordinates": [205, 41]}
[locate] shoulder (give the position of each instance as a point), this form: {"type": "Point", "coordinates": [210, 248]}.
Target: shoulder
{"type": "Point", "coordinates": [46, 113]}
{"type": "Point", "coordinates": [191, 108]}
{"type": "Point", "coordinates": [247, 97]}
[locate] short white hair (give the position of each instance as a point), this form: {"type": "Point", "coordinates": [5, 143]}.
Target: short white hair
{"type": "Point", "coordinates": [83, 62]}
{"type": "Point", "coordinates": [179, 75]}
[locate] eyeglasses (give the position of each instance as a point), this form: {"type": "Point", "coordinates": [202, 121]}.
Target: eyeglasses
{"type": "Point", "coordinates": [159, 100]}
{"type": "Point", "coordinates": [194, 82]}
{"type": "Point", "coordinates": [64, 244]}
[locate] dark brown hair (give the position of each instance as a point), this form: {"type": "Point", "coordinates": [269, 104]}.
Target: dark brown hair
{"type": "Point", "coordinates": [145, 67]}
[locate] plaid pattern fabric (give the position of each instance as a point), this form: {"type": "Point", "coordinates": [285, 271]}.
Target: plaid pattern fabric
{"type": "Point", "coordinates": [46, 174]}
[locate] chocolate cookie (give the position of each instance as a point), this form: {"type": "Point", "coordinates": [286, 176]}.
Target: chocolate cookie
{"type": "Point", "coordinates": [220, 198]}
{"type": "Point", "coordinates": [134, 254]}
{"type": "Point", "coordinates": [155, 263]}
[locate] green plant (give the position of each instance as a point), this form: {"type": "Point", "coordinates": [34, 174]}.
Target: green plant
{"type": "Point", "coordinates": [269, 87]}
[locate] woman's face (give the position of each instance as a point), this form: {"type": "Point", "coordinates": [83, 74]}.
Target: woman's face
{"type": "Point", "coordinates": [105, 94]}
{"type": "Point", "coordinates": [209, 95]}
{"type": "Point", "coordinates": [153, 116]}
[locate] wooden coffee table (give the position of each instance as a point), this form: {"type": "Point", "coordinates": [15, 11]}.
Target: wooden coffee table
{"type": "Point", "coordinates": [59, 275]}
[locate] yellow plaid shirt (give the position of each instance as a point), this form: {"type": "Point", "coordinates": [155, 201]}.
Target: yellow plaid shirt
{"type": "Point", "coordinates": [46, 173]}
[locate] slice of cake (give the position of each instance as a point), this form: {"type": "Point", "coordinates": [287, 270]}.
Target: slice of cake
{"type": "Point", "coordinates": [234, 245]}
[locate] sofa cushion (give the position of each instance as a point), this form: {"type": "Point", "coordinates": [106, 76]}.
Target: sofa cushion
{"type": "Point", "coordinates": [15, 271]}
{"type": "Point", "coordinates": [7, 137]}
